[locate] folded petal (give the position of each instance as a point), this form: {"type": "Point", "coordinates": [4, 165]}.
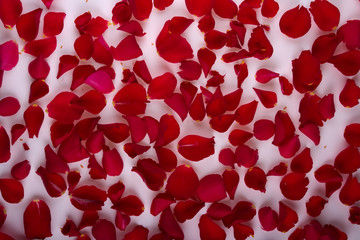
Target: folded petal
{"type": "Point", "coordinates": [102, 52]}
{"type": "Point", "coordinates": [71, 149]}
{"type": "Point", "coordinates": [315, 205]}
{"type": "Point", "coordinates": [54, 183]}
{"type": "Point", "coordinates": [130, 205]}
{"type": "Point", "coordinates": [246, 112]}
{"type": "Point", "coordinates": [151, 173]}
{"type": "Point", "coordinates": [37, 220]}
{"type": "Point", "coordinates": [302, 163]}
{"type": "Point", "coordinates": [287, 218]}
{"type": "Point", "coordinates": [168, 130]}
{"type": "Point", "coordinates": [67, 62]}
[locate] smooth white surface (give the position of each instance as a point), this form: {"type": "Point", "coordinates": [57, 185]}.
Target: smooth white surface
{"type": "Point", "coordinates": [17, 82]}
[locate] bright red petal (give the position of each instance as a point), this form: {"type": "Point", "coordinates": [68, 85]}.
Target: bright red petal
{"type": "Point", "coordinates": [67, 62]}
{"type": "Point", "coordinates": [131, 99]}
{"type": "Point", "coordinates": [177, 103]}
{"type": "Point", "coordinates": [138, 233]}
{"type": "Point", "coordinates": [238, 137]}
{"type": "Point", "coordinates": [151, 173]}
{"type": "Point", "coordinates": [255, 178]}
{"type": "Point", "coordinates": [206, 59]}
{"type": "Point", "coordinates": [350, 191]}
{"type": "Point", "coordinates": [199, 8]}
{"type": "Point", "coordinates": [287, 218]}
{"type": "Point", "coordinates": [211, 188]}
{"type": "Point", "coordinates": [349, 34]}
{"type": "Point", "coordinates": [54, 163]}
{"type": "Point", "coordinates": [10, 12]}
{"type": "Point", "coordinates": [293, 186]}
{"type": "Point", "coordinates": [71, 149]}
{"type": "Point", "coordinates": [27, 25]}
{"type": "Point", "coordinates": [127, 49]}
{"type": "Point", "coordinates": [38, 89]}
{"type": "Point", "coordinates": [166, 158]}
{"type": "Point", "coordinates": [324, 47]}
{"type": "Point", "coordinates": [162, 4]}
{"type": "Point", "coordinates": [348, 63]}
{"type": "Point", "coordinates": [169, 225]}
{"type": "Point", "coordinates": [302, 163]}
{"type": "Point", "coordinates": [41, 48]}
{"type": "Point", "coordinates": [190, 70]}
{"type": "Point", "coordinates": [209, 230]}
{"type": "Point", "coordinates": [269, 8]}
{"type": "Point", "coordinates": [138, 128]}
{"type": "Point", "coordinates": [352, 134]}
{"type": "Point", "coordinates": [222, 123]}
{"type": "Point", "coordinates": [53, 23]}
{"type": "Point", "coordinates": [168, 130]}
{"type": "Point", "coordinates": [286, 86]}
{"type": "Point", "coordinates": [182, 183]}
{"type": "Point", "coordinates": [112, 162]}
{"type": "Point", "coordinates": [348, 160]}
{"type": "Point", "coordinates": [12, 190]}
{"type": "Point", "coordinates": [225, 9]}
{"type": "Point", "coordinates": [9, 106]}
{"type": "Point", "coordinates": [231, 180]}
{"type": "Point", "coordinates": [326, 15]}
{"type": "Point", "coordinates": [9, 55]}
{"type": "Point", "coordinates": [246, 112]}
{"type": "Point", "coordinates": [246, 156]}
{"type": "Point", "coordinates": [197, 109]}
{"type": "Point", "coordinates": [196, 148]}
{"type": "Point", "coordinates": [34, 117]}
{"type": "Point", "coordinates": [62, 108]}
{"type": "Point", "coordinates": [130, 205]}
{"type": "Point", "coordinates": [264, 75]}
{"type": "Point", "coordinates": [295, 22]}
{"type": "Point", "coordinates": [242, 232]}
{"type": "Point", "coordinates": [37, 220]}
{"type": "Point", "coordinates": [217, 211]}
{"type": "Point", "coordinates": [162, 86]}
{"type": "Point", "coordinates": [54, 183]}
{"type": "Point", "coordinates": [187, 210]}
{"type": "Point", "coordinates": [141, 9]}
{"type": "Point", "coordinates": [141, 70]}
{"type": "Point", "coordinates": [206, 23]}
{"type": "Point", "coordinates": [267, 98]}
{"type": "Point", "coordinates": [264, 129]}
{"type": "Point", "coordinates": [350, 95]}
{"type": "Point", "coordinates": [102, 52]}
{"type": "Point", "coordinates": [88, 197]}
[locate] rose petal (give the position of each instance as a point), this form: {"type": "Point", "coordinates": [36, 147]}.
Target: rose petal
{"type": "Point", "coordinates": [311, 131]}
{"type": "Point", "coordinates": [352, 134]}
{"type": "Point", "coordinates": [326, 15]}
{"type": "Point", "coordinates": [206, 23]}
{"type": "Point", "coordinates": [139, 232]}
{"type": "Point", "coordinates": [199, 8]}
{"type": "Point", "coordinates": [54, 163]}
{"type": "Point", "coordinates": [10, 12]}
{"type": "Point", "coordinates": [348, 160]}
{"type": "Point", "coordinates": [293, 186]}
{"type": "Point", "coordinates": [286, 86]}
{"type": "Point", "coordinates": [295, 22]}
{"type": "Point", "coordinates": [54, 183]}
{"type": "Point", "coordinates": [190, 70]}
{"type": "Point", "coordinates": [127, 49]}
{"type": "Point", "coordinates": [177, 102]}
{"type": "Point", "coordinates": [354, 213]}
{"type": "Point", "coordinates": [187, 210]}
{"type": "Point", "coordinates": [131, 99]}
{"type": "Point", "coordinates": [20, 170]}
{"type": "Point", "coordinates": [246, 156]}
{"type": "Point", "coordinates": [86, 126]}
{"type": "Point", "coordinates": [115, 132]}
{"type": "Point", "coordinates": [80, 74]}
{"type": "Point", "coordinates": [255, 178]}
{"type": "Point", "coordinates": [231, 180]}
{"type": "Point", "coordinates": [112, 162]}
{"type": "Point", "coordinates": [62, 109]}
{"type": "Point", "coordinates": [67, 62]}
{"type": "Point", "coordinates": [327, 173]}
{"type": "Point", "coordinates": [315, 205]}
{"type": "Point", "coordinates": [71, 149]}
{"type": "Point", "coordinates": [160, 202]}
{"type": "Point", "coordinates": [348, 63]}
{"type": "Point", "coordinates": [132, 27]}
{"type": "Point", "coordinates": [9, 55]}
{"type": "Point", "coordinates": [197, 109]}
{"type": "Point", "coordinates": [141, 69]}
{"type": "Point", "coordinates": [284, 128]}
{"type": "Point", "coordinates": [41, 48]}
{"type": "Point", "coordinates": [196, 148]}
{"type": "Point", "coordinates": [121, 220]}
{"type": "Point", "coordinates": [37, 220]}
{"type": "Point", "coordinates": [242, 232]}
{"type": "Point", "coordinates": [217, 211]}
{"type": "Point", "coordinates": [238, 137]}
{"type": "Point", "coordinates": [268, 218]}
{"type": "Point", "coordinates": [263, 129]}
{"type": "Point", "coordinates": [247, 15]}
{"type": "Point", "coordinates": [350, 191]}
{"type": "Point", "coordinates": [215, 39]}
{"type": "Point", "coordinates": [38, 89]}
{"type": "Point", "coordinates": [130, 205]}
{"type": "Point", "coordinates": [138, 128]}
{"type": "Point", "coordinates": [348, 33]}
{"type": "Point", "coordinates": [70, 229]}
{"type": "Point", "coordinates": [267, 98]}
{"type": "Point", "coordinates": [168, 131]}
{"type": "Point", "coordinates": [211, 188]}
{"type": "Point", "coordinates": [206, 59]}
{"type": "Point", "coordinates": [162, 4]}
{"type": "Point", "coordinates": [259, 45]}
{"type": "Point", "coordinates": [243, 211]}
{"type": "Point", "coordinates": [100, 81]}
{"type": "Point", "coordinates": [88, 197]}
{"type": "Point", "coordinates": [9, 106]}
{"type": "Point", "coordinates": [169, 225]}
{"type": "Point", "coordinates": [287, 218]}
{"type": "Point", "coordinates": [27, 25]}
{"type": "Point", "coordinates": [12, 190]}
{"type": "Point", "coordinates": [269, 8]}
{"type": "Point", "coordinates": [151, 173]}
{"type": "Point", "coordinates": [104, 229]}
{"type": "Point", "coordinates": [73, 179]}
{"type": "Point", "coordinates": [350, 95]}
{"type": "Point", "coordinates": [166, 158]}
{"type": "Point", "coordinates": [95, 142]}
{"type": "Point", "coordinates": [302, 163]}
{"type": "Point", "coordinates": [53, 23]}
{"type": "Point", "coordinates": [246, 112]}
{"type": "Point", "coordinates": [289, 147]}
{"type": "Point", "coordinates": [34, 117]}
{"type": "Point", "coordinates": [222, 123]}
{"type": "Point", "coordinates": [209, 230]}
{"type": "Point", "coordinates": [327, 107]}
{"type": "Point", "coordinates": [162, 86]}
{"type": "Point", "coordinates": [324, 47]}
{"type": "Point", "coordinates": [182, 183]}
{"type": "Point", "coordinates": [95, 170]}
{"type": "Point", "coordinates": [102, 52]}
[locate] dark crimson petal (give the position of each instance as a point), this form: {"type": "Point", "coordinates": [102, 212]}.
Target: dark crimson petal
{"type": "Point", "coordinates": [162, 86]}
{"type": "Point", "coordinates": [84, 46]}
{"type": "Point", "coordinates": [186, 210]}
{"type": "Point", "coordinates": [138, 233]}
{"type": "Point", "coordinates": [246, 156]}
{"type": "Point", "coordinates": [102, 52]}
{"type": "Point", "coordinates": [215, 80]}
{"type": "Point", "coordinates": [115, 132]}
{"type": "Point", "coordinates": [324, 47]}
{"type": "Point", "coordinates": [326, 15]}
{"type": "Point", "coordinates": [225, 9]}
{"type": "Point", "coordinates": [211, 188]}
{"type": "Point", "coordinates": [70, 229]}
{"type": "Point", "coordinates": [217, 210]}
{"type": "Point", "coordinates": [327, 173]}
{"type": "Point", "coordinates": [222, 123]}
{"type": "Point", "coordinates": [188, 90]}
{"type": "Point", "coordinates": [302, 163]}
{"type": "Point", "coordinates": [206, 23]}
{"type": "Point", "coordinates": [255, 178]}
{"type": "Point", "coordinates": [54, 163]}
{"type": "Point", "coordinates": [182, 183]}
{"type": "Point", "coordinates": [196, 148]}
{"type": "Point", "coordinates": [3, 216]}
{"type": "Point", "coordinates": [9, 55]}
{"type": "Point", "coordinates": [116, 191]}
{"type": "Point", "coordinates": [168, 130]}
{"type": "Point", "coordinates": [39, 68]}
{"type": "Point", "coordinates": [166, 158]}
{"type": "Point", "coordinates": [61, 108]}
{"type": "Point", "coordinates": [92, 101]}
{"type": "Point", "coordinates": [54, 183]}
{"type": "Point", "coordinates": [259, 45]}
{"type": "Point", "coordinates": [151, 173]}
{"type": "Point", "coordinates": [247, 15]}
{"type": "Point", "coordinates": [95, 142]}
{"type": "Point", "coordinates": [297, 234]}
{"type": "Point", "coordinates": [269, 8]}
{"type": "Point", "coordinates": [101, 81]}
{"type": "Point", "coordinates": [268, 218]}
{"type": "Point", "coordinates": [227, 157]}
{"type": "Point", "coordinates": [284, 128]}
{"type": "Point", "coordinates": [197, 109]}
{"type": "Point", "coordinates": [264, 75]}
{"type": "Point", "coordinates": [348, 63]}
{"type": "Point", "coordinates": [121, 12]}
{"type": "Point", "coordinates": [289, 147]}
{"type": "Point", "coordinates": [240, 31]}
{"type": "Point", "coordinates": [242, 212]}
{"type": "Point", "coordinates": [216, 104]}
{"type": "Point", "coordinates": [349, 34]}
{"type": "Point", "coordinates": [82, 21]}
{"type": "Point", "coordinates": [73, 179]}
{"type": "Point", "coordinates": [80, 74]}
{"type": "Point", "coordinates": [242, 232]}
{"type": "Point", "coordinates": [350, 95]}
{"type": "Point", "coordinates": [172, 47]}
{"type": "Point", "coordinates": [286, 86]}
{"type": "Point", "coordinates": [295, 22]}
{"type": "Point", "coordinates": [9, 106]}
{"type": "Point", "coordinates": [232, 99]}
{"type": "Point", "coordinates": [264, 129]}
{"type": "Point", "coordinates": [239, 137]}
{"type": "Point", "coordinates": [47, 3]}
{"type": "Point", "coordinates": [12, 190]}
{"type": "Point", "coordinates": [86, 126]}
{"type": "Point", "coordinates": [179, 24]}
{"type": "Point", "coordinates": [287, 218]}
{"type": "Point", "coordinates": [306, 72]}
{"type": "Point", "coordinates": [293, 186]}
{"type": "Point", "coordinates": [278, 170]}
{"type": "Point", "coordinates": [121, 220]}
{"type": "Point", "coordinates": [88, 197]}
{"type": "Point", "coordinates": [71, 149]}
{"type": "Point", "coordinates": [241, 71]}
{"type": "Point", "coordinates": [34, 117]}
{"type": "Point", "coordinates": [190, 70]}
{"type": "Point", "coordinates": [348, 160]}
{"type": "Point", "coordinates": [38, 89]}
{"type": "Point", "coordinates": [162, 4]}
{"type": "Point", "coordinates": [352, 134]}
{"type": "Point", "coordinates": [37, 220]}
{"type": "Point", "coordinates": [267, 98]}
{"type": "Point", "coordinates": [209, 230]}
{"type": "Point", "coordinates": [309, 110]}
{"type": "Point", "coordinates": [130, 205]}
{"type": "Point", "coordinates": [53, 23]}
{"type": "Point", "coordinates": [231, 180]}
{"type": "Point", "coordinates": [20, 170]}
{"type": "Point", "coordinates": [27, 25]}
{"type": "Point", "coordinates": [42, 47]}
{"type": "Point", "coordinates": [311, 131]}
{"type": "Point", "coordinates": [215, 39]}
{"type": "Point", "coordinates": [169, 225]}
{"type": "Point", "coordinates": [141, 70]}
{"type": "Point", "coordinates": [246, 112]}
{"type": "Point", "coordinates": [131, 99]}
{"type": "Point", "coordinates": [112, 162]}
{"type": "Point", "coordinates": [160, 202]}
{"type": "Point", "coordinates": [327, 107]}
{"type": "Point", "coordinates": [354, 215]}
{"type": "Point", "coordinates": [138, 128]}
{"type": "Point", "coordinates": [127, 49]}
{"type": "Point", "coordinates": [67, 62]}
{"type": "Point", "coordinates": [141, 9]}
{"type": "Point", "coordinates": [104, 230]}
{"type": "Point", "coordinates": [177, 102]}
{"type": "Point", "coordinates": [96, 26]}
{"type": "Point", "coordinates": [350, 191]}
{"type": "Point", "coordinates": [95, 170]}
{"type": "Point", "coordinates": [206, 59]}
{"type": "Point", "coordinates": [10, 12]}
{"type": "Point", "coordinates": [132, 27]}
{"type": "Point", "coordinates": [315, 205]}
{"type": "Point", "coordinates": [199, 8]}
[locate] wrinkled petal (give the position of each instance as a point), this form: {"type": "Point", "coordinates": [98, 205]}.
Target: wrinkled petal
{"type": "Point", "coordinates": [37, 220]}
{"type": "Point", "coordinates": [182, 183]}
{"type": "Point", "coordinates": [88, 197]}
{"type": "Point", "coordinates": [295, 22]}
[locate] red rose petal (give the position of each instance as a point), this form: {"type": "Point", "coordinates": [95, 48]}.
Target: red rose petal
{"type": "Point", "coordinates": [121, 12]}
{"type": "Point", "coordinates": [197, 109]}
{"type": "Point", "coordinates": [95, 142]}
{"type": "Point", "coordinates": [199, 8]}
{"type": "Point", "coordinates": [67, 62]}
{"type": "Point", "coordinates": [39, 68]}
{"type": "Point", "coordinates": [217, 211]}
{"type": "Point", "coordinates": [168, 130]}
{"type": "Point", "coordinates": [209, 230]}
{"type": "Point", "coordinates": [295, 22]}
{"type": "Point", "coordinates": [352, 134]}
{"type": "Point", "coordinates": [216, 104]}
{"type": "Point", "coordinates": [348, 33]}
{"type": "Point", "coordinates": [12, 190]}
{"type": "Point", "coordinates": [326, 15]}
{"type": "Point", "coordinates": [141, 9]}
{"type": "Point", "coordinates": [188, 90]}
{"type": "Point", "coordinates": [302, 163]}
{"type": "Point", "coordinates": [348, 160]}
{"type": "Point", "coordinates": [182, 183]}
{"type": "Point", "coordinates": [269, 8]}
{"type": "Point", "coordinates": [84, 46]}
{"type": "Point", "coordinates": [293, 186]}
{"type": "Point", "coordinates": [10, 12]}
{"type": "Point", "coordinates": [86, 126]}
{"type": "Point", "coordinates": [162, 4]}
{"type": "Point", "coordinates": [27, 25]}
{"type": "Point", "coordinates": [239, 137]}
{"type": "Point", "coordinates": [70, 229]}
{"type": "Point", "coordinates": [42, 47]}
{"type": "Point", "coordinates": [206, 23]}
{"type": "Point", "coordinates": [162, 86]}
{"type": "Point", "coordinates": [246, 112]}
{"type": "Point", "coordinates": [190, 70]}
{"type": "Point", "coordinates": [287, 218]}
{"type": "Point", "coordinates": [177, 102]}
{"type": "Point", "coordinates": [62, 109]}
{"type": "Point", "coordinates": [121, 220]}
{"type": "Point", "coordinates": [267, 98]}
{"type": "Point", "coordinates": [115, 132]}
{"type": "Point", "coordinates": [309, 109]}
{"type": "Point", "coordinates": [95, 170]}
{"type": "Point", "coordinates": [259, 45]}
{"type": "Point", "coordinates": [115, 192]}
{"type": "Point", "coordinates": [242, 232]}
{"type": "Point", "coordinates": [131, 99]}
{"type": "Point", "coordinates": [9, 55]}
{"type": "Point", "coordinates": [311, 131]}
{"type": "Point", "coordinates": [37, 220]}
{"type": "Point", "coordinates": [112, 162]}
{"type": "Point", "coordinates": [54, 183]}
{"type": "Point", "coordinates": [247, 15]}
{"type": "Point", "coordinates": [47, 3]}
{"type": "Point", "coordinates": [268, 218]}
{"type": "Point", "coordinates": [242, 212]}
{"type": "Point", "coordinates": [211, 188]}
{"type": "Point", "coordinates": [141, 69]}
{"type": "Point", "coordinates": [127, 49]}
{"type": "Point", "coordinates": [255, 178]}
{"type": "Point", "coordinates": [132, 27]}
{"type": "Point", "coordinates": [225, 9]}
{"type": "Point", "coordinates": [215, 39]}
{"type": "Point", "coordinates": [327, 107]}
{"type": "Point", "coordinates": [166, 158]}
{"type": "Point", "coordinates": [348, 63]}
{"type": "Point", "coordinates": [102, 52]}
{"type": "Point", "coordinates": [130, 205]}
{"type": "Point", "coordinates": [138, 128]}
{"type": "Point", "coordinates": [264, 129]}
{"type": "Point", "coordinates": [38, 89]}
{"type": "Point", "coordinates": [3, 216]}
{"type": "Point", "coordinates": [71, 149]}
{"type": "Point", "coordinates": [88, 197]}
{"type": "Point", "coordinates": [206, 59]}
{"type": "Point", "coordinates": [133, 150]}
{"type": "Point", "coordinates": [246, 156]}
{"type": "Point", "coordinates": [80, 74]}
{"type": "Point", "coordinates": [82, 21]}
{"type": "Point", "coordinates": [54, 163]}
{"type": "Point", "coordinates": [9, 106]}
{"type": "Point", "coordinates": [104, 230]}
{"type": "Point", "coordinates": [239, 29]}
{"type": "Point", "coordinates": [286, 86]}
{"type": "Point", "coordinates": [264, 75]}
{"type": "Point", "coordinates": [96, 26]}
{"type": "Point", "coordinates": [138, 233]}
{"type": "Point", "coordinates": [278, 170]}
{"type": "Point", "coordinates": [289, 147]}
{"type": "Point", "coordinates": [324, 47]}
{"type": "Point", "coordinates": [350, 95]}
{"type": "Point", "coordinates": [222, 123]}
{"type": "Point", "coordinates": [354, 213]}
{"type": "Point", "coordinates": [20, 170]}
{"type": "Point", "coordinates": [169, 225]}
{"type": "Point", "coordinates": [73, 179]}
{"type": "Point", "coordinates": [92, 101]}
{"type": "Point", "coordinates": [151, 173]}
{"type": "Point", "coordinates": [179, 24]}
{"type": "Point", "coordinates": [53, 23]}
{"type": "Point", "coordinates": [34, 117]}
{"type": "Point", "coordinates": [101, 81]}
{"type": "Point", "coordinates": [350, 191]}
{"type": "Point", "coordinates": [231, 181]}
{"type": "Point", "coordinates": [327, 173]}
{"type": "Point", "coordinates": [160, 202]}
{"type": "Point", "coordinates": [232, 99]}
{"type": "Point", "coordinates": [196, 148]}
{"type": "Point", "coordinates": [284, 128]}
{"type": "Point", "coordinates": [315, 205]}
{"type": "Point", "coordinates": [187, 210]}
